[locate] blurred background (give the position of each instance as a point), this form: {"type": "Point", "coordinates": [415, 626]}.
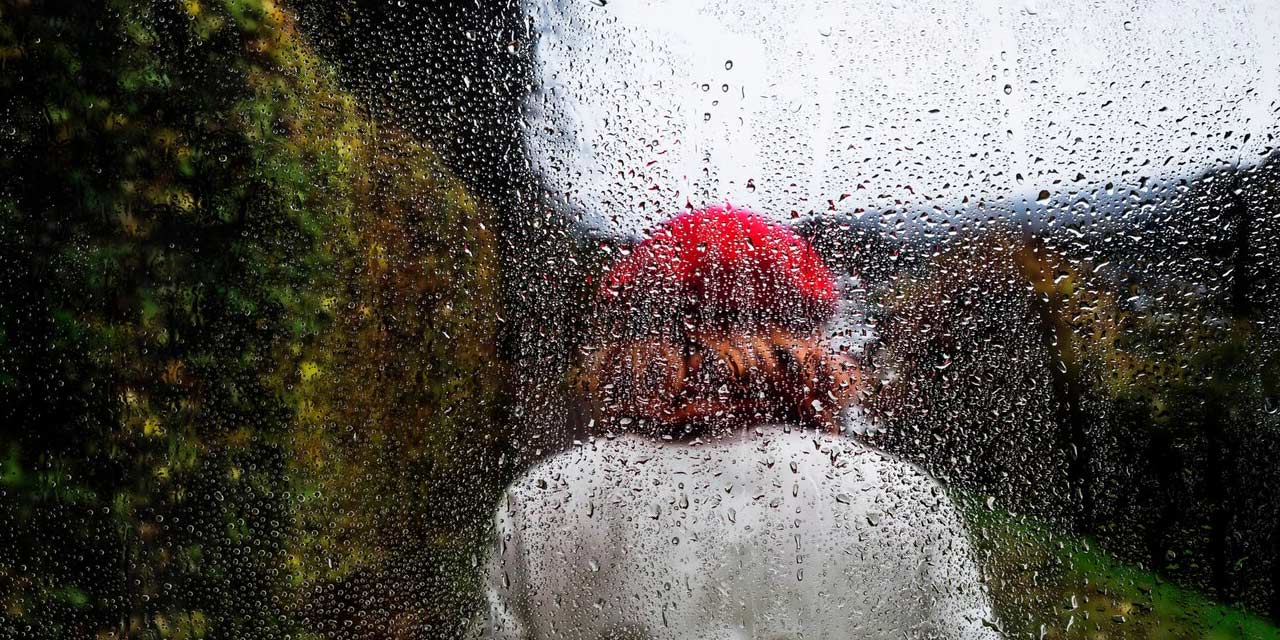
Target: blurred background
{"type": "Point", "coordinates": [291, 289]}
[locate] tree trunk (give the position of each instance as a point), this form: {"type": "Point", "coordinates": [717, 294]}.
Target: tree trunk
{"type": "Point", "coordinates": [1217, 495]}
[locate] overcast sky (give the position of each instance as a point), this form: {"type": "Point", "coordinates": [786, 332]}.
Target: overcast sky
{"type": "Point", "coordinates": [642, 106]}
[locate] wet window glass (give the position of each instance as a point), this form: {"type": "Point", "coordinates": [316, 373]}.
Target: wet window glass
{"type": "Point", "coordinates": [639, 319]}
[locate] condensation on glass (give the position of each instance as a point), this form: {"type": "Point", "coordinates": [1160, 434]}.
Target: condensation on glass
{"type": "Point", "coordinates": [639, 319]}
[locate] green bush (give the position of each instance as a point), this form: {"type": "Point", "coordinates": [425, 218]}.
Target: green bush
{"type": "Point", "coordinates": [227, 293]}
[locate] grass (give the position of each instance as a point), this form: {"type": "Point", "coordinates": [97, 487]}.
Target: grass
{"type": "Point", "coordinates": [1048, 585]}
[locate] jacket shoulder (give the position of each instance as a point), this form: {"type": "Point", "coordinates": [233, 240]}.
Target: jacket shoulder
{"type": "Point", "coordinates": [582, 464]}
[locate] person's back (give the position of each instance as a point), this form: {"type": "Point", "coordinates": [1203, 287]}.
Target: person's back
{"type": "Point", "coordinates": [729, 508]}
{"type": "Point", "coordinates": [770, 533]}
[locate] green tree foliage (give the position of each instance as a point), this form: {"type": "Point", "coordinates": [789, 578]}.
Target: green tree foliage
{"type": "Point", "coordinates": [235, 306]}
{"type": "Point", "coordinates": [1189, 436]}
{"type": "Point", "coordinates": [967, 369]}
{"type": "Point", "coordinates": [1141, 418]}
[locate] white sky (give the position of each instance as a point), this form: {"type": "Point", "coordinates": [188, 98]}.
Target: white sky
{"type": "Point", "coordinates": [888, 104]}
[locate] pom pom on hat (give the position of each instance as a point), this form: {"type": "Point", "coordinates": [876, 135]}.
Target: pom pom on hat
{"type": "Point", "coordinates": [722, 269]}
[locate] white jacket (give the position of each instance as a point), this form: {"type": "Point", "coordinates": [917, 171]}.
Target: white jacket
{"type": "Point", "coordinates": [768, 533]}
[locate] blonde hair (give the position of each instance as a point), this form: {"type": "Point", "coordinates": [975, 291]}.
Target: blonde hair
{"type": "Point", "coordinates": [684, 386]}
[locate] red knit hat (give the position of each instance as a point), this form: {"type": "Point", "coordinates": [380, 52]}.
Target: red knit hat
{"type": "Point", "coordinates": [724, 269]}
